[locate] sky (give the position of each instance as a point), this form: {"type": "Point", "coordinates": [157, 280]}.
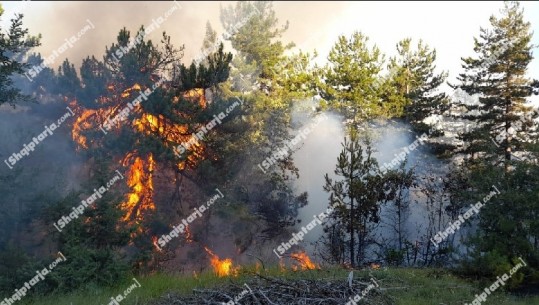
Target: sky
{"type": "Point", "coordinates": [449, 27]}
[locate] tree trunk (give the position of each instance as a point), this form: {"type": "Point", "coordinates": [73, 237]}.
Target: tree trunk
{"type": "Point", "coordinates": [507, 135]}
{"type": "Point", "coordinates": [352, 238]}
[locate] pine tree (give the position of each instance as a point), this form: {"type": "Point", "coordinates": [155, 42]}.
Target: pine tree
{"type": "Point", "coordinates": [497, 75]}
{"type": "Point", "coordinates": [68, 80]}
{"type": "Point", "coordinates": [43, 82]}
{"type": "Point", "coordinates": [95, 77]}
{"type": "Point", "coordinates": [412, 84]}
{"type": "Point", "coordinates": [507, 224]}
{"type": "Point", "coordinates": [269, 83]}
{"type": "Point", "coordinates": [210, 39]}
{"type": "Point", "coordinates": [253, 30]}
{"type": "Point", "coordinates": [356, 196]}
{"type": "Point", "coordinates": [14, 45]}
{"type": "Point", "coordinates": [91, 242]}
{"type": "Point", "coordinates": [350, 81]}
{"type": "Point", "coordinates": [398, 183]}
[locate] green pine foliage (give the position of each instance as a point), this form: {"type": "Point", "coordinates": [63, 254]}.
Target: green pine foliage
{"type": "Point", "coordinates": [14, 45]}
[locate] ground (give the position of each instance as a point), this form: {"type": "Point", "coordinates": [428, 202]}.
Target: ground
{"type": "Point", "coordinates": [399, 286]}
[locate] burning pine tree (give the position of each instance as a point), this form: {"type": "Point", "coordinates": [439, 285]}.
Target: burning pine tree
{"type": "Point", "coordinates": [136, 110]}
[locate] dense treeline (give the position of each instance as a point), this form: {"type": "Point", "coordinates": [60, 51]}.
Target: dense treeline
{"type": "Point", "coordinates": [105, 244]}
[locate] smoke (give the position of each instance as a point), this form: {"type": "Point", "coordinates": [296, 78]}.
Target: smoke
{"type": "Point", "coordinates": [56, 21]}
{"type": "Point", "coordinates": [391, 139]}
{"type": "Point", "coordinates": [318, 156]}
{"type": "Point", "coordinates": [37, 180]}
{"type": "Point", "coordinates": [60, 20]}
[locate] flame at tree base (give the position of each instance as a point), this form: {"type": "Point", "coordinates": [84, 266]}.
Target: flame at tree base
{"type": "Point", "coordinates": [304, 261]}
{"type": "Point", "coordinates": [222, 267]}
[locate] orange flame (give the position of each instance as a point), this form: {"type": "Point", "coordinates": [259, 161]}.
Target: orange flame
{"type": "Point", "coordinates": [127, 92]}
{"type": "Point", "coordinates": [188, 235]}
{"type": "Point", "coordinates": [154, 242]}
{"type": "Point", "coordinates": [194, 94]}
{"type": "Point", "coordinates": [140, 180]}
{"type": "Point", "coordinates": [257, 267]}
{"type": "Point", "coordinates": [222, 267]}
{"type": "Point", "coordinates": [170, 133]}
{"type": "Point", "coordinates": [80, 125]}
{"type": "Point", "coordinates": [304, 261]}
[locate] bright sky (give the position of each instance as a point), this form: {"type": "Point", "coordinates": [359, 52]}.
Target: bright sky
{"type": "Point", "coordinates": [449, 27]}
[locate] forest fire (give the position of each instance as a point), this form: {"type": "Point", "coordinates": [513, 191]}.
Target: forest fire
{"type": "Point", "coordinates": [127, 92]}
{"type": "Point", "coordinates": [188, 235]}
{"type": "Point", "coordinates": [211, 152]}
{"type": "Point", "coordinates": [140, 180]}
{"type": "Point", "coordinates": [222, 267]}
{"type": "Point", "coordinates": [141, 167]}
{"type": "Point", "coordinates": [154, 242]}
{"type": "Point", "coordinates": [304, 261]}
{"type": "Point", "coordinates": [80, 125]}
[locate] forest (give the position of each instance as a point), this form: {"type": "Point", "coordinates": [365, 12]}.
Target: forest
{"type": "Point", "coordinates": [254, 174]}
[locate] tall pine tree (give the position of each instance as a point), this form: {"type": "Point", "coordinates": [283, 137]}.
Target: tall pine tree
{"type": "Point", "coordinates": [350, 81]}
{"type": "Point", "coordinates": [14, 45]}
{"type": "Point", "coordinates": [507, 227]}
{"type": "Point", "coordinates": [412, 84]}
{"type": "Point", "coordinates": [497, 75]}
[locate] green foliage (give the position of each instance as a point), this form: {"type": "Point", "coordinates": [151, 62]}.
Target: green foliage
{"type": "Point", "coordinates": [95, 77]}
{"type": "Point", "coordinates": [412, 84]}
{"type": "Point", "coordinates": [90, 243]}
{"type": "Point", "coordinates": [498, 76]}
{"type": "Point", "coordinates": [273, 81]}
{"type": "Point", "coordinates": [356, 196]}
{"type": "Point", "coordinates": [507, 224]}
{"type": "Point", "coordinates": [16, 268]}
{"type": "Point", "coordinates": [350, 81]}
{"type": "Point", "coordinates": [394, 257]}
{"type": "Point", "coordinates": [14, 44]}
{"type": "Point", "coordinates": [67, 79]}
{"type": "Point", "coordinates": [46, 80]}
{"type": "Point", "coordinates": [492, 265]}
